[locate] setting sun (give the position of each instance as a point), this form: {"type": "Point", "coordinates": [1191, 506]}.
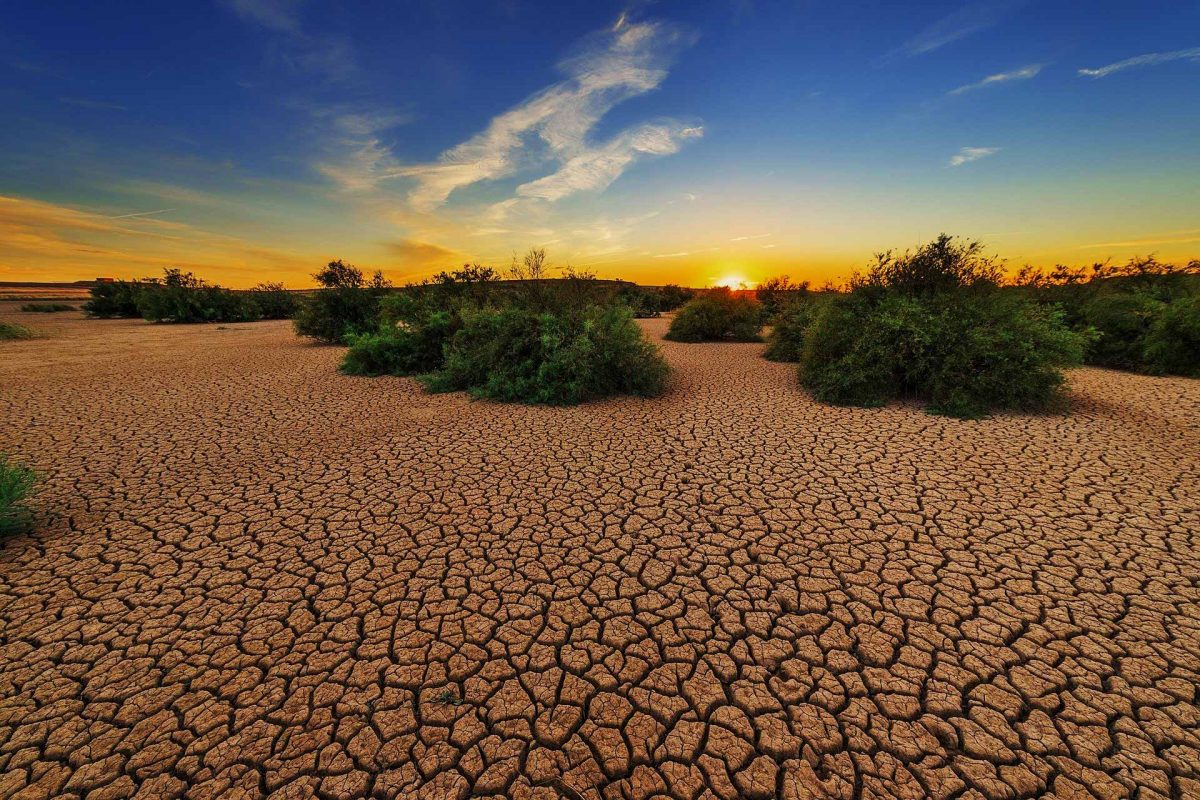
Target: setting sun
{"type": "Point", "coordinates": [733, 282]}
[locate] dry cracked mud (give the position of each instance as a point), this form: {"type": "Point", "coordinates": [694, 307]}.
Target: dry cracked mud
{"type": "Point", "coordinates": [257, 577]}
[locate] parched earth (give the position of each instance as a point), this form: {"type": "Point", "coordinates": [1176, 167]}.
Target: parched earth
{"type": "Point", "coordinates": [256, 577]}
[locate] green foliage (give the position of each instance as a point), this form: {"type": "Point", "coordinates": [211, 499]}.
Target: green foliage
{"type": "Point", "coordinates": [775, 294]}
{"type": "Point", "coordinates": [786, 340]}
{"type": "Point", "coordinates": [273, 301]}
{"type": "Point", "coordinates": [518, 354]}
{"type": "Point", "coordinates": [715, 316]}
{"type": "Point", "coordinates": [181, 297]}
{"type": "Point", "coordinates": [672, 296]}
{"type": "Point", "coordinates": [11, 330]}
{"type": "Point", "coordinates": [934, 326]}
{"type": "Point", "coordinates": [1172, 346]}
{"type": "Point", "coordinates": [401, 350]}
{"type": "Point", "coordinates": [1121, 321]}
{"type": "Point", "coordinates": [16, 484]}
{"type": "Point", "coordinates": [347, 306]}
{"type": "Point", "coordinates": [642, 303]}
{"type": "Point", "coordinates": [46, 308]}
{"type": "Point", "coordinates": [115, 299]}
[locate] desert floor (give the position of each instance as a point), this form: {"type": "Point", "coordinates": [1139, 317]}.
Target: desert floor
{"type": "Point", "coordinates": [255, 576]}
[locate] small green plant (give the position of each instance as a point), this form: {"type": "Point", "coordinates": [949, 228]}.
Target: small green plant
{"type": "Point", "coordinates": [516, 354]}
{"type": "Point", "coordinates": [46, 308]}
{"type": "Point", "coordinates": [348, 305]}
{"type": "Point", "coordinates": [715, 316]}
{"type": "Point", "coordinates": [11, 330]}
{"type": "Point", "coordinates": [1172, 346]}
{"type": "Point", "coordinates": [447, 697]}
{"type": "Point", "coordinates": [16, 484]}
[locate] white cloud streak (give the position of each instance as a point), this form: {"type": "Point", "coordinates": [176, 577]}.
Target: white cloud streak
{"type": "Point", "coordinates": [968, 154]}
{"type": "Point", "coordinates": [1022, 74]}
{"type": "Point", "coordinates": [552, 126]}
{"type": "Point", "coordinates": [971, 18]}
{"type": "Point", "coordinates": [1145, 60]}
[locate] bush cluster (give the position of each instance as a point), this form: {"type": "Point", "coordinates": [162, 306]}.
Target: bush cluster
{"type": "Point", "coordinates": [11, 330]}
{"type": "Point", "coordinates": [718, 315]}
{"type": "Point", "coordinates": [791, 320]}
{"type": "Point", "coordinates": [46, 308]}
{"type": "Point", "coordinates": [647, 302]}
{"type": "Point", "coordinates": [346, 306]}
{"type": "Point", "coordinates": [16, 484]}
{"type": "Point", "coordinates": [539, 340]}
{"type": "Point", "coordinates": [182, 297]}
{"type": "Point", "coordinates": [934, 325]}
{"type": "Point", "coordinates": [777, 294]}
{"type": "Point", "coordinates": [1139, 316]}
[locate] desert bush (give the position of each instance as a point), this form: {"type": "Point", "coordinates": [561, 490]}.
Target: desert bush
{"type": "Point", "coordinates": [181, 297]}
{"type": "Point", "coordinates": [273, 301]}
{"type": "Point", "coordinates": [642, 303]}
{"type": "Point", "coordinates": [1172, 345]}
{"type": "Point", "coordinates": [116, 299]}
{"type": "Point", "coordinates": [715, 316]}
{"type": "Point", "coordinates": [673, 296]}
{"type": "Point", "coordinates": [518, 354]}
{"type": "Point", "coordinates": [775, 294]}
{"type": "Point", "coordinates": [786, 340]}
{"type": "Point", "coordinates": [348, 305]}
{"type": "Point", "coordinates": [46, 308]}
{"type": "Point", "coordinates": [934, 326]}
{"type": "Point", "coordinates": [16, 484]}
{"type": "Point", "coordinates": [11, 330]}
{"type": "Point", "coordinates": [1121, 321]}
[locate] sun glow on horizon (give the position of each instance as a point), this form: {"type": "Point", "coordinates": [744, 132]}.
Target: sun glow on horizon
{"type": "Point", "coordinates": [732, 281]}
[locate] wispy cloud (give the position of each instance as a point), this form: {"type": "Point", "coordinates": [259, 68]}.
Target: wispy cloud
{"type": "Point", "coordinates": [277, 15]}
{"type": "Point", "coordinates": [1182, 237]}
{"type": "Point", "coordinates": [84, 102]}
{"type": "Point", "coordinates": [971, 18]}
{"type": "Point", "coordinates": [1022, 74]}
{"type": "Point", "coordinates": [968, 154]}
{"type": "Point", "coordinates": [746, 238]}
{"type": "Point", "coordinates": [1146, 60]}
{"type": "Point", "coordinates": [552, 126]}
{"type": "Point", "coordinates": [141, 214]}
{"type": "Point", "coordinates": [673, 255]}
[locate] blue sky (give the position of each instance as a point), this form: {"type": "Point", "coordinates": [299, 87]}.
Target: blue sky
{"type": "Point", "coordinates": [683, 141]}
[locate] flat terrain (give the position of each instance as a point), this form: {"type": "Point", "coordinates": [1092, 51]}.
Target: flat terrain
{"type": "Point", "coordinates": [256, 576]}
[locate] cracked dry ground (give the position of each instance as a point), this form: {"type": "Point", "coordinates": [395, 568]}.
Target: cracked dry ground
{"type": "Point", "coordinates": [258, 577]}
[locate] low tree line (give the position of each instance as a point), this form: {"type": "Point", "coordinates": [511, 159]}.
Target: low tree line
{"type": "Point", "coordinates": [182, 297]}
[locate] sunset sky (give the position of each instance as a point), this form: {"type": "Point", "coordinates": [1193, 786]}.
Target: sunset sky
{"type": "Point", "coordinates": [687, 142]}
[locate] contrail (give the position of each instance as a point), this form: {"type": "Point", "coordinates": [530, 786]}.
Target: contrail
{"type": "Point", "coordinates": [142, 213]}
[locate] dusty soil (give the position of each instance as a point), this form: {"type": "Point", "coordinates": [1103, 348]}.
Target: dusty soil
{"type": "Point", "coordinates": [255, 576]}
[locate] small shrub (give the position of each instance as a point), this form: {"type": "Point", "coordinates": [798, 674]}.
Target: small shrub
{"type": "Point", "coordinates": [181, 297]}
{"type": "Point", "coordinates": [672, 296]}
{"type": "Point", "coordinates": [16, 484]}
{"type": "Point", "coordinates": [116, 299]}
{"type": "Point", "coordinates": [1121, 321]}
{"type": "Point", "coordinates": [347, 305]}
{"type": "Point", "coordinates": [1172, 346]}
{"type": "Point", "coordinates": [11, 330]}
{"type": "Point", "coordinates": [46, 308]}
{"type": "Point", "coordinates": [717, 315]}
{"type": "Point", "coordinates": [945, 264]}
{"type": "Point", "coordinates": [517, 354]}
{"type": "Point", "coordinates": [776, 294]}
{"type": "Point", "coordinates": [273, 301]}
{"type": "Point", "coordinates": [642, 303]}
{"type": "Point", "coordinates": [786, 340]}
{"type": "Point", "coordinates": [410, 350]}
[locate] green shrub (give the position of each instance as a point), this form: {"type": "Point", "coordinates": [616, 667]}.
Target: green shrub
{"type": "Point", "coordinates": [642, 303]}
{"type": "Point", "coordinates": [411, 350]}
{"type": "Point", "coordinates": [717, 315]}
{"type": "Point", "coordinates": [672, 296]}
{"type": "Point", "coordinates": [517, 354]}
{"type": "Point", "coordinates": [181, 297]}
{"type": "Point", "coordinates": [46, 308]}
{"type": "Point", "coordinates": [273, 301]}
{"type": "Point", "coordinates": [1172, 346]}
{"type": "Point", "coordinates": [115, 299]}
{"type": "Point", "coordinates": [16, 484]}
{"type": "Point", "coordinates": [1121, 321]}
{"type": "Point", "coordinates": [347, 306]}
{"type": "Point", "coordinates": [786, 340]}
{"type": "Point", "coordinates": [11, 330]}
{"type": "Point", "coordinates": [775, 294]}
{"type": "Point", "coordinates": [934, 326]}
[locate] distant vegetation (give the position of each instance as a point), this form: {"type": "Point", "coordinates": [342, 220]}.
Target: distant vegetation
{"type": "Point", "coordinates": [534, 339]}
{"type": "Point", "coordinates": [11, 330]}
{"type": "Point", "coordinates": [718, 315]}
{"type": "Point", "coordinates": [1143, 315]}
{"type": "Point", "coordinates": [182, 297]}
{"type": "Point", "coordinates": [347, 304]}
{"type": "Point", "coordinates": [46, 308]}
{"type": "Point", "coordinates": [16, 484]}
{"type": "Point", "coordinates": [934, 325]}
